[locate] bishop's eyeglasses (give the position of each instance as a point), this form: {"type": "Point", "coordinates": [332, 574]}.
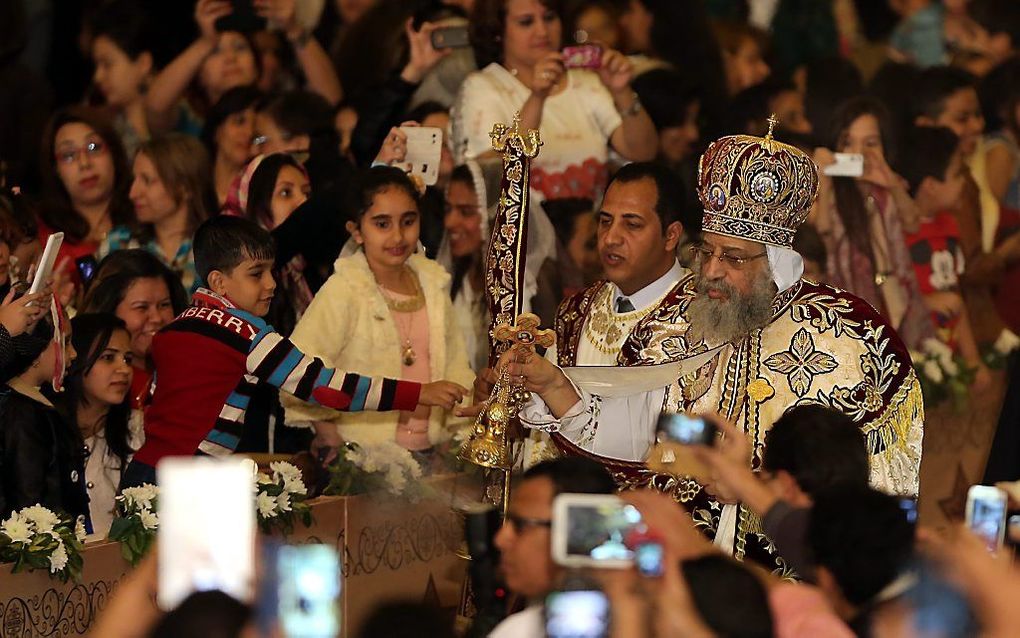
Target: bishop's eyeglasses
{"type": "Point", "coordinates": [703, 252]}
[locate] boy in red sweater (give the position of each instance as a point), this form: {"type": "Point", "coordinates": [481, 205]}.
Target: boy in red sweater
{"type": "Point", "coordinates": [210, 358]}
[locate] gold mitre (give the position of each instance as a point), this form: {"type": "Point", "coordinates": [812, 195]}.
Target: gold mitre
{"type": "Point", "coordinates": [756, 188]}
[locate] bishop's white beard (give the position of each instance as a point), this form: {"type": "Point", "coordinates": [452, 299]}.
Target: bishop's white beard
{"type": "Point", "coordinates": [718, 321]}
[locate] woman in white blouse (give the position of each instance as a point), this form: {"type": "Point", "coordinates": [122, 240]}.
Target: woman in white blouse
{"type": "Point", "coordinates": [580, 113]}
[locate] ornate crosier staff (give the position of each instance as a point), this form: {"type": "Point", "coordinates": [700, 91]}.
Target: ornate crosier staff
{"type": "Point", "coordinates": [489, 445]}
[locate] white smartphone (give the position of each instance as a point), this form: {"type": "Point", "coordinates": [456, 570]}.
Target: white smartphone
{"type": "Point", "coordinates": [49, 258]}
{"type": "Point", "coordinates": [986, 514]}
{"type": "Point", "coordinates": [591, 530]}
{"type": "Point", "coordinates": [581, 613]}
{"type": "Point", "coordinates": [424, 152]}
{"type": "Point", "coordinates": [847, 165]}
{"type": "Point", "coordinates": [206, 528]}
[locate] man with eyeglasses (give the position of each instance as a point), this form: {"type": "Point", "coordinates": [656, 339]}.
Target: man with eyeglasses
{"type": "Point", "coordinates": [524, 540]}
{"type": "Point", "coordinates": [638, 230]}
{"type": "Point", "coordinates": [768, 340]}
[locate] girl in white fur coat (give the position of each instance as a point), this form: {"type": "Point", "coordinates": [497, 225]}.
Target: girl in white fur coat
{"type": "Point", "coordinates": [385, 311]}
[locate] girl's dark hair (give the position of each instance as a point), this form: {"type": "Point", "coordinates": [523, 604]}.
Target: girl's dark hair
{"type": "Point", "coordinates": [262, 185]}
{"type": "Point", "coordinates": [1000, 96]}
{"type": "Point", "coordinates": [125, 24]}
{"type": "Point", "coordinates": [373, 181]}
{"type": "Point", "coordinates": [30, 346]}
{"type": "Point", "coordinates": [488, 25]}
{"type": "Point", "coordinates": [425, 109]}
{"type": "Point", "coordinates": [119, 270]}
{"type": "Point", "coordinates": [233, 101]}
{"type": "Point", "coordinates": [850, 204]}
{"type": "Point", "coordinates": [57, 210]}
{"type": "Point", "coordinates": [91, 334]}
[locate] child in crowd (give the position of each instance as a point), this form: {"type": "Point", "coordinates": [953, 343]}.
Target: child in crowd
{"type": "Point", "coordinates": [209, 359]}
{"type": "Point", "coordinates": [935, 171]}
{"type": "Point", "coordinates": [97, 404]}
{"type": "Point", "coordinates": [387, 307]}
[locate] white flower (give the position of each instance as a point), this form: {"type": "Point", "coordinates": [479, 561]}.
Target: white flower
{"type": "Point", "coordinates": [140, 496]}
{"type": "Point", "coordinates": [43, 519]}
{"type": "Point", "coordinates": [17, 529]}
{"type": "Point", "coordinates": [932, 371]}
{"type": "Point", "coordinates": [291, 475]}
{"type": "Point", "coordinates": [283, 501]}
{"type": "Point", "coordinates": [58, 559]}
{"type": "Point", "coordinates": [266, 505]}
{"type": "Point", "coordinates": [263, 479]}
{"type": "Point", "coordinates": [950, 367]}
{"type": "Point", "coordinates": [1007, 342]}
{"type": "Point", "coordinates": [149, 519]}
{"type": "Point", "coordinates": [79, 529]}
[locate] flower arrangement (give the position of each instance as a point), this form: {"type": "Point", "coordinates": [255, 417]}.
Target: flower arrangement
{"type": "Point", "coordinates": [942, 374]}
{"type": "Point", "coordinates": [136, 522]}
{"type": "Point", "coordinates": [280, 498]}
{"type": "Point", "coordinates": [995, 357]}
{"type": "Point", "coordinates": [38, 538]}
{"type": "Point", "coordinates": [375, 467]}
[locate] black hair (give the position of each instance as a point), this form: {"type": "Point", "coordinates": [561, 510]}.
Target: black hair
{"type": "Point", "coordinates": [573, 475]}
{"type": "Point", "coordinates": [90, 335]}
{"type": "Point", "coordinates": [829, 82]}
{"type": "Point", "coordinates": [425, 109]}
{"type": "Point", "coordinates": [887, 87]}
{"type": "Point", "coordinates": [487, 28]}
{"type": "Point", "coordinates": [931, 151]}
{"type": "Point", "coordinates": [850, 204]}
{"type": "Point", "coordinates": [30, 346]}
{"type": "Point", "coordinates": [371, 182]}
{"type": "Point", "coordinates": [262, 185]}
{"type": "Point", "coordinates": [999, 92]}
{"type": "Point", "coordinates": [819, 447]}
{"type": "Point", "coordinates": [235, 100]}
{"type": "Point", "coordinates": [728, 597]}
{"type": "Point", "coordinates": [862, 537]}
{"type": "Point", "coordinates": [119, 270]}
{"type": "Point", "coordinates": [408, 619]}
{"type": "Point", "coordinates": [808, 242]}
{"type": "Point", "coordinates": [212, 614]}
{"type": "Point", "coordinates": [935, 85]}
{"type": "Point", "coordinates": [222, 243]}
{"type": "Point", "coordinates": [749, 110]}
{"type": "Point", "coordinates": [299, 112]}
{"type": "Point", "coordinates": [669, 202]}
{"type": "Point", "coordinates": [997, 16]}
{"type": "Point", "coordinates": [564, 212]}
{"type": "Point", "coordinates": [666, 94]}
{"type": "Point", "coordinates": [462, 265]}
{"type": "Point", "coordinates": [126, 24]}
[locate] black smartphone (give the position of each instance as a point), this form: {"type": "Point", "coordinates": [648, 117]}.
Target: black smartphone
{"type": "Point", "coordinates": [686, 429]}
{"type": "Point", "coordinates": [451, 38]}
{"type": "Point", "coordinates": [87, 266]}
{"type": "Point", "coordinates": [243, 18]}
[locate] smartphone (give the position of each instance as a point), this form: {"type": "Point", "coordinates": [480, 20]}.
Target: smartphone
{"type": "Point", "coordinates": [846, 165]}
{"type": "Point", "coordinates": [243, 18]}
{"type": "Point", "coordinates": [424, 150]}
{"type": "Point", "coordinates": [591, 530]}
{"type": "Point", "coordinates": [87, 266]}
{"type": "Point", "coordinates": [986, 514]}
{"type": "Point", "coordinates": [582, 56]}
{"type": "Point", "coordinates": [49, 258]}
{"type": "Point", "coordinates": [455, 37]}
{"type": "Point", "coordinates": [686, 429]}
{"type": "Point", "coordinates": [308, 591]}
{"type": "Point", "coordinates": [581, 613]}
{"type": "Point", "coordinates": [206, 528]}
{"type": "Point", "coordinates": [648, 558]}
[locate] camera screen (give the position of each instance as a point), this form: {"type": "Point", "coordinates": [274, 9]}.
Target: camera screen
{"type": "Point", "coordinates": [987, 520]}
{"type": "Point", "coordinates": [686, 429]}
{"type": "Point", "coordinates": [309, 585]}
{"type": "Point", "coordinates": [599, 531]}
{"type": "Point", "coordinates": [648, 558]}
{"type": "Point", "coordinates": [577, 614]}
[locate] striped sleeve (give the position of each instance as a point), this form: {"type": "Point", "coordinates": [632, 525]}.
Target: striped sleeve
{"type": "Point", "coordinates": [275, 360]}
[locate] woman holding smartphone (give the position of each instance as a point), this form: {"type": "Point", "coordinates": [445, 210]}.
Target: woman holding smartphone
{"type": "Point", "coordinates": [387, 307]}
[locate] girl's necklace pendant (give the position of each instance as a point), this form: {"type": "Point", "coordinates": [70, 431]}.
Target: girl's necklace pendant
{"type": "Point", "coordinates": [409, 355]}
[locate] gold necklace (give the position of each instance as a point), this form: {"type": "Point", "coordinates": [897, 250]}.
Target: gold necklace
{"type": "Point", "coordinates": [405, 307]}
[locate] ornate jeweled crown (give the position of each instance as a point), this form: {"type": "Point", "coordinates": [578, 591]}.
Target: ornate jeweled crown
{"type": "Point", "coordinates": [756, 188]}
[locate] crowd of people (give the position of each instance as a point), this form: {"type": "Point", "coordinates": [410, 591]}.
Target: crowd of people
{"type": "Point", "coordinates": [248, 267]}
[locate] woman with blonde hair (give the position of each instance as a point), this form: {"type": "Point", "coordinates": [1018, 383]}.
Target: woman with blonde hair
{"type": "Point", "coordinates": [172, 194]}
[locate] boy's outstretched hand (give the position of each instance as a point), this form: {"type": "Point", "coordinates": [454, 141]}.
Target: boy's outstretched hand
{"type": "Point", "coordinates": [442, 394]}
